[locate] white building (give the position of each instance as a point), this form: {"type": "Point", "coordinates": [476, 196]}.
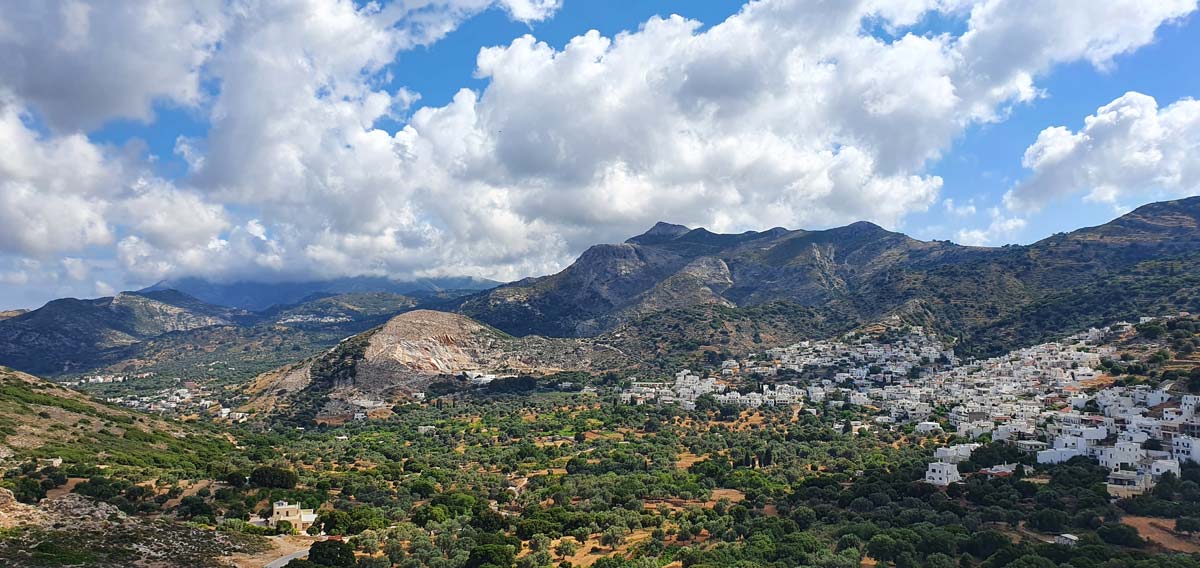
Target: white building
{"type": "Point", "coordinates": [942, 474]}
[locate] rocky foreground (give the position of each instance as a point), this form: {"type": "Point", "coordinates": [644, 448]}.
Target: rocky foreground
{"type": "Point", "coordinates": [73, 530]}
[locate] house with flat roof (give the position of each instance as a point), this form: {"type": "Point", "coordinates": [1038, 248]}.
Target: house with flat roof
{"type": "Point", "coordinates": [300, 519]}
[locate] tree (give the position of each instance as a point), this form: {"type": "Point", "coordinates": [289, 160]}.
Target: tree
{"type": "Point", "coordinates": [1049, 520]}
{"type": "Point", "coordinates": [491, 556]}
{"type": "Point", "coordinates": [235, 479]}
{"type": "Point", "coordinates": [612, 537]}
{"type": "Point", "coordinates": [1187, 524]}
{"type": "Point", "coordinates": [566, 547]}
{"type": "Point", "coordinates": [539, 542]}
{"type": "Point", "coordinates": [1031, 561]}
{"type": "Point", "coordinates": [332, 553]}
{"type": "Point", "coordinates": [194, 506]}
{"type": "Point", "coordinates": [28, 490]}
{"type": "Point", "coordinates": [883, 547]}
{"type": "Point", "coordinates": [1122, 535]}
{"type": "Point", "coordinates": [274, 477]}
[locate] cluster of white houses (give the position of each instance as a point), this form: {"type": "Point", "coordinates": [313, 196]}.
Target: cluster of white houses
{"type": "Point", "coordinates": [105, 378]}
{"type": "Point", "coordinates": [688, 387]}
{"type": "Point", "coordinates": [1049, 399]}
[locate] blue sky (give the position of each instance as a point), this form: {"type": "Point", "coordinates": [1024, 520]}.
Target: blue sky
{"type": "Point", "coordinates": [281, 141]}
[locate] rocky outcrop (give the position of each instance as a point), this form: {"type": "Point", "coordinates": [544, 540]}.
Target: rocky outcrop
{"type": "Point", "coordinates": [411, 351]}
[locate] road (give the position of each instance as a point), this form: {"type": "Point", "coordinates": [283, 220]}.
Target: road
{"type": "Point", "coordinates": [283, 560]}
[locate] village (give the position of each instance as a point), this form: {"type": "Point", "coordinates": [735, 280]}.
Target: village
{"type": "Point", "coordinates": [1051, 400]}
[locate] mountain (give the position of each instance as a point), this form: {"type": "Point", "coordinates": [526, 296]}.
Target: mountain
{"type": "Point", "coordinates": [407, 355]}
{"type": "Point", "coordinates": [990, 298]}
{"type": "Point", "coordinates": [69, 333]}
{"type": "Point", "coordinates": [258, 296]}
{"type": "Point", "coordinates": [672, 267]}
{"type": "Point", "coordinates": [167, 331]}
{"type": "Point", "coordinates": [11, 313]}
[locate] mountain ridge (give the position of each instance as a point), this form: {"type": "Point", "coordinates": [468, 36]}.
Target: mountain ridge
{"type": "Point", "coordinates": [861, 268]}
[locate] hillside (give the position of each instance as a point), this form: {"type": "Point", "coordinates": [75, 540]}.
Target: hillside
{"type": "Point", "coordinates": [985, 297]}
{"type": "Point", "coordinates": [406, 355]}
{"type": "Point", "coordinates": [39, 419]}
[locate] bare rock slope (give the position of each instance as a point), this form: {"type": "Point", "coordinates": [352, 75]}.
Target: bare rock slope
{"type": "Point", "coordinates": [407, 354]}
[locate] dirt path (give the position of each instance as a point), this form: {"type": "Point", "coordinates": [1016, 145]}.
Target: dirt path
{"type": "Point", "coordinates": [1159, 532]}
{"type": "Point", "coordinates": [285, 549]}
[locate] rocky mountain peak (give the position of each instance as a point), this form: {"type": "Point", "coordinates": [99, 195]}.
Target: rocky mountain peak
{"type": "Point", "coordinates": [661, 231]}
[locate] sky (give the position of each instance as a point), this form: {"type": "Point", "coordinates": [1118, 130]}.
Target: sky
{"type": "Point", "coordinates": [308, 139]}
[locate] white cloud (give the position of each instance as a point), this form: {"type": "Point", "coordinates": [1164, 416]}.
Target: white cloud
{"type": "Point", "coordinates": [788, 113]}
{"type": "Point", "coordinates": [1129, 149]}
{"type": "Point", "coordinates": [14, 277]}
{"type": "Point", "coordinates": [62, 193]}
{"type": "Point", "coordinates": [103, 288]}
{"type": "Point", "coordinates": [170, 218]}
{"type": "Point", "coordinates": [76, 268]}
{"type": "Point", "coordinates": [1000, 230]}
{"type": "Point", "coordinates": [81, 63]}
{"type": "Point", "coordinates": [53, 190]}
{"type": "Point", "coordinates": [964, 210]}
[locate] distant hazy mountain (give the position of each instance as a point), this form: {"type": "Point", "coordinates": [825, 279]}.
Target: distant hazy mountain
{"type": "Point", "coordinates": [992, 298]}
{"type": "Point", "coordinates": [167, 330]}
{"type": "Point", "coordinates": [69, 333]}
{"type": "Point", "coordinates": [262, 295]}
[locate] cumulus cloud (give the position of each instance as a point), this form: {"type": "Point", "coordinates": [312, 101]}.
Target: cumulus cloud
{"type": "Point", "coordinates": [53, 189]}
{"type": "Point", "coordinates": [1130, 148]}
{"type": "Point", "coordinates": [785, 114]}
{"type": "Point", "coordinates": [965, 210]}
{"type": "Point", "coordinates": [63, 193]}
{"type": "Point", "coordinates": [788, 113]}
{"type": "Point", "coordinates": [82, 63]}
{"type": "Point", "coordinates": [999, 230]}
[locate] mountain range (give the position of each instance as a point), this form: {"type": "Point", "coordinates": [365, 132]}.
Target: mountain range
{"type": "Point", "coordinates": [668, 295]}
{"type": "Point", "coordinates": [988, 298]}
{"type": "Point", "coordinates": [253, 295]}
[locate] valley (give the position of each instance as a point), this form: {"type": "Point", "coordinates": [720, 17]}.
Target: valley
{"type": "Point", "coordinates": [853, 409]}
{"type": "Point", "coordinates": [572, 284]}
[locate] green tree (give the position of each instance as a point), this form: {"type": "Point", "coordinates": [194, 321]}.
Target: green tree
{"type": "Point", "coordinates": [1122, 535]}
{"type": "Point", "coordinates": [491, 556]}
{"type": "Point", "coordinates": [274, 477]}
{"type": "Point", "coordinates": [612, 537]}
{"type": "Point", "coordinates": [332, 553]}
{"type": "Point", "coordinates": [566, 547]}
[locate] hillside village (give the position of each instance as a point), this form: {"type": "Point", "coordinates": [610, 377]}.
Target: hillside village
{"type": "Point", "coordinates": [1053, 401]}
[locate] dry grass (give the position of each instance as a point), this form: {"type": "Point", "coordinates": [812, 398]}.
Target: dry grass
{"type": "Point", "coordinates": [585, 557]}
{"type": "Point", "coordinates": [1159, 531]}
{"type": "Point", "coordinates": [687, 459]}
